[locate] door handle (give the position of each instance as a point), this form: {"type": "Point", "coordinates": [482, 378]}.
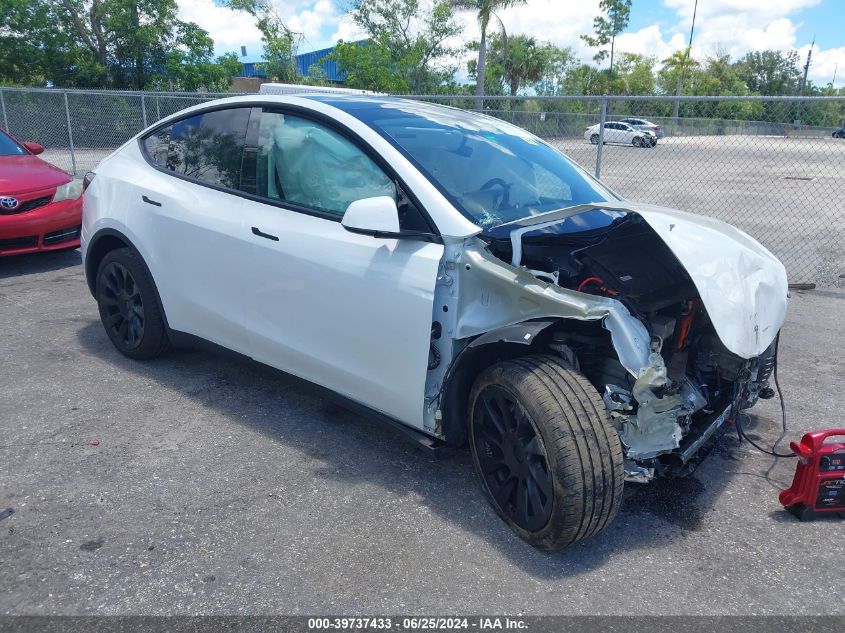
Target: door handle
{"type": "Point", "coordinates": [149, 201]}
{"type": "Point", "coordinates": [259, 233]}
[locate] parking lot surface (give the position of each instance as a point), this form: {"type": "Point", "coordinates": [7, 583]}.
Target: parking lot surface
{"type": "Point", "coordinates": [204, 484]}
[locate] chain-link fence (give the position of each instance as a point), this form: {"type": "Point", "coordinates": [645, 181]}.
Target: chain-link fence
{"type": "Point", "coordinates": [768, 165]}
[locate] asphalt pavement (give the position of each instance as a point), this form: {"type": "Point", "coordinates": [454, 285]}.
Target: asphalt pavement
{"type": "Point", "coordinates": [204, 484]}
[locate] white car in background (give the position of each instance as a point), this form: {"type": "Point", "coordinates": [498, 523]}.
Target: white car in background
{"type": "Point", "coordinates": [622, 133]}
{"type": "Point", "coordinates": [450, 273]}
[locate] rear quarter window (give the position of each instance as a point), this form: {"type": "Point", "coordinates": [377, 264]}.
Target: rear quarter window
{"type": "Point", "coordinates": [207, 147]}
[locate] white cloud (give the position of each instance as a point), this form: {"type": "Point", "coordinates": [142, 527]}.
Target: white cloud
{"type": "Point", "coordinates": [347, 30]}
{"type": "Point", "coordinates": [229, 29]}
{"type": "Point", "coordinates": [232, 29]}
{"type": "Point", "coordinates": [824, 64]}
{"type": "Point", "coordinates": [650, 41]}
{"type": "Point", "coordinates": [733, 27]}
{"type": "Point", "coordinates": [312, 21]}
{"type": "Point", "coordinates": [757, 10]}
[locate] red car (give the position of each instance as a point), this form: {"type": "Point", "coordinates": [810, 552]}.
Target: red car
{"type": "Point", "coordinates": [40, 205]}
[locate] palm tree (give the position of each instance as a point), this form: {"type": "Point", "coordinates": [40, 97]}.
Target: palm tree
{"type": "Point", "coordinates": [485, 9]}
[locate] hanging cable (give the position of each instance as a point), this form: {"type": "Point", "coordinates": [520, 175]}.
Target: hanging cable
{"type": "Point", "coordinates": [741, 432]}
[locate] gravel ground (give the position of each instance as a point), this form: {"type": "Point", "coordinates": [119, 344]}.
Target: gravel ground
{"type": "Point", "coordinates": [198, 483]}
{"type": "Point", "coordinates": [786, 192]}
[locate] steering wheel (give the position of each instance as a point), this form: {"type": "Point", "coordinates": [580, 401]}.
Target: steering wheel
{"type": "Point", "coordinates": [504, 196]}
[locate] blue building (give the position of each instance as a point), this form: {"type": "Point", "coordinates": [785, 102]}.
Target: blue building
{"type": "Point", "coordinates": [304, 62]}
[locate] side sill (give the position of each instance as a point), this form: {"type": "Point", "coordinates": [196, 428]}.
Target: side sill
{"type": "Point", "coordinates": [432, 446]}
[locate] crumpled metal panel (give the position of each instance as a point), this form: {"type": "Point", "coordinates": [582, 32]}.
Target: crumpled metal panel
{"type": "Point", "coordinates": [494, 294]}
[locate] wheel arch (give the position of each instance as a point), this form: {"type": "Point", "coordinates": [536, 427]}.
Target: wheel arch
{"type": "Point", "coordinates": [102, 243]}
{"type": "Point", "coordinates": [504, 343]}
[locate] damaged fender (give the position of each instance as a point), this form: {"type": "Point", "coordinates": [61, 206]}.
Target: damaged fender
{"type": "Point", "coordinates": [495, 299]}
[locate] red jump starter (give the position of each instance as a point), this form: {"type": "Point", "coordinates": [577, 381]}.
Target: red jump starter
{"type": "Point", "coordinates": [819, 482]}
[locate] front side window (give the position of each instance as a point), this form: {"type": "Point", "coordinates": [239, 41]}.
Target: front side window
{"type": "Point", "coordinates": [8, 147]}
{"type": "Point", "coordinates": [207, 146]}
{"type": "Point", "coordinates": [307, 164]}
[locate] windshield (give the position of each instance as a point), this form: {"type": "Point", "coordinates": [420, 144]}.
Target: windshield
{"type": "Point", "coordinates": [8, 147]}
{"type": "Point", "coordinates": [493, 172]}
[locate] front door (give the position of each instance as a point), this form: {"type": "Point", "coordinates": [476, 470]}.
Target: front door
{"type": "Point", "coordinates": [347, 311]}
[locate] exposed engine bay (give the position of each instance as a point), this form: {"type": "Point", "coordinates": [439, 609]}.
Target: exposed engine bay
{"type": "Point", "coordinates": [668, 394]}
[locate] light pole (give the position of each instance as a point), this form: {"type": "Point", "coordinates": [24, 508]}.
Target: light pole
{"type": "Point", "coordinates": [684, 65]}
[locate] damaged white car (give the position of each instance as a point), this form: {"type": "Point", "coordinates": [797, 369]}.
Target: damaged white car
{"type": "Point", "coordinates": [451, 273]}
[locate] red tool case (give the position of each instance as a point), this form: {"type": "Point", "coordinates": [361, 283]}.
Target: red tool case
{"type": "Point", "coordinates": [819, 482]}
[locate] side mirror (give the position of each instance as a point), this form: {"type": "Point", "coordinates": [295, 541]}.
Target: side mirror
{"type": "Point", "coordinates": [34, 148]}
{"type": "Point", "coordinates": [372, 216]}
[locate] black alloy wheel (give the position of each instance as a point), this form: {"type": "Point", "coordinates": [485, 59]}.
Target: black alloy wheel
{"type": "Point", "coordinates": [123, 305]}
{"type": "Point", "coordinates": [548, 461]}
{"type": "Point", "coordinates": [512, 459]}
{"type": "Point", "coordinates": [129, 306]}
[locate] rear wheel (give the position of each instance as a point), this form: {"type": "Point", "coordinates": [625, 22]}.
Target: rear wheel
{"type": "Point", "coordinates": [549, 463]}
{"type": "Point", "coordinates": [594, 139]}
{"type": "Point", "coordinates": [129, 307]}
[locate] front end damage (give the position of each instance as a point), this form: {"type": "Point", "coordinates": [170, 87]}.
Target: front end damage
{"type": "Point", "coordinates": [673, 318]}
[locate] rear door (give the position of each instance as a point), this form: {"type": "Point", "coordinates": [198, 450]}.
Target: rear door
{"type": "Point", "coordinates": [348, 311]}
{"type": "Point", "coordinates": [191, 211]}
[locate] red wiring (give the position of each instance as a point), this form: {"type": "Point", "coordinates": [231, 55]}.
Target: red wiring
{"type": "Point", "coordinates": [599, 281]}
{"type": "Point", "coordinates": [588, 280]}
{"type": "Point", "coordinates": [686, 324]}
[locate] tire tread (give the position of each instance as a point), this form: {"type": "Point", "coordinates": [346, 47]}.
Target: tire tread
{"type": "Point", "coordinates": [584, 450]}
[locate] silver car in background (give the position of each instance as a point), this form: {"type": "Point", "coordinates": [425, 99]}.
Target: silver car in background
{"type": "Point", "coordinates": [644, 126]}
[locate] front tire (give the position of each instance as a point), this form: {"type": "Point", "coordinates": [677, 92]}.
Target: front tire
{"type": "Point", "coordinates": [129, 306]}
{"type": "Point", "coordinates": [594, 139]}
{"type": "Point", "coordinates": [548, 461]}
{"type": "Point", "coordinates": [637, 141]}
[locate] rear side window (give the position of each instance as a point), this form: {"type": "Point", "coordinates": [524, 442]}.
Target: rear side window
{"type": "Point", "coordinates": [207, 147]}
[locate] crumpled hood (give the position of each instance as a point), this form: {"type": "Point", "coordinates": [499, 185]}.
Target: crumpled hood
{"type": "Point", "coordinates": [741, 284]}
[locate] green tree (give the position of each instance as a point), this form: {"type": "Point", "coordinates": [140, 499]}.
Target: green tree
{"type": "Point", "coordinates": [634, 75]}
{"type": "Point", "coordinates": [678, 63]}
{"type": "Point", "coordinates": [93, 43]}
{"type": "Point", "coordinates": [515, 62]}
{"type": "Point", "coordinates": [280, 42]}
{"type": "Point", "coordinates": [406, 47]}
{"type": "Point", "coordinates": [561, 62]}
{"type": "Point", "coordinates": [770, 72]}
{"type": "Point", "coordinates": [485, 10]}
{"type": "Point", "coordinates": [607, 27]}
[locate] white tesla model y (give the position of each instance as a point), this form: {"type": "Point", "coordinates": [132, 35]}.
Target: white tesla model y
{"type": "Point", "coordinates": [450, 272]}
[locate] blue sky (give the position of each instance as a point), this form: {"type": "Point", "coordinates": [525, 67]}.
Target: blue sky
{"type": "Point", "coordinates": [657, 27]}
{"type": "Point", "coordinates": [824, 20]}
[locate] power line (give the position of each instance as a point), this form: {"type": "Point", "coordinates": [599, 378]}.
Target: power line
{"type": "Point", "coordinates": [684, 64]}
{"type": "Point", "coordinates": [807, 67]}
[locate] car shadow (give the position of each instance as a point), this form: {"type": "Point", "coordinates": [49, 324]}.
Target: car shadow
{"type": "Point", "coordinates": [368, 451]}
{"type": "Point", "coordinates": [34, 263]}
